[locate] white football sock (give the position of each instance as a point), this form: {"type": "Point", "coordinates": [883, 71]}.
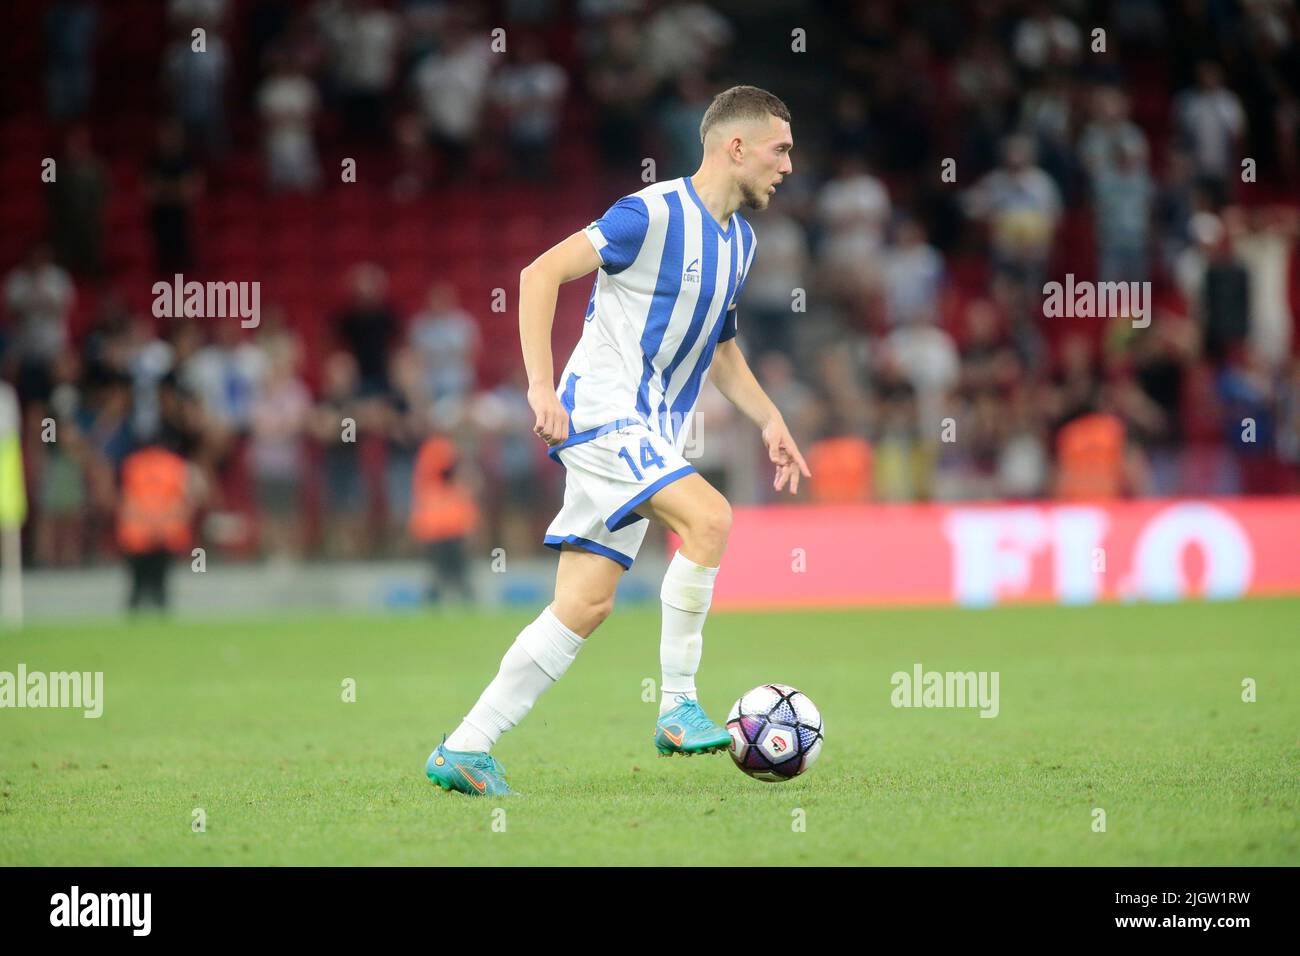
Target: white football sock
{"type": "Point", "coordinates": [538, 658]}
{"type": "Point", "coordinates": [686, 594]}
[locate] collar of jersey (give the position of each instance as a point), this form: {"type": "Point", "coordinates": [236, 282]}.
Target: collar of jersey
{"type": "Point", "coordinates": [708, 216]}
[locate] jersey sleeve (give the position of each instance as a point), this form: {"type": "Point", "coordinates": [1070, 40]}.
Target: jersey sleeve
{"type": "Point", "coordinates": [729, 320]}
{"type": "Point", "coordinates": [617, 236]}
{"type": "Point", "coordinates": [728, 325]}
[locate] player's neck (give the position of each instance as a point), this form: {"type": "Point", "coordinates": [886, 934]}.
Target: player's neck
{"type": "Point", "coordinates": [719, 195]}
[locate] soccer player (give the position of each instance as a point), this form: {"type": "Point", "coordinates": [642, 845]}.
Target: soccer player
{"type": "Point", "coordinates": [672, 261]}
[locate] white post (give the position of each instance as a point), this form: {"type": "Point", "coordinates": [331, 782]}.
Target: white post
{"type": "Point", "coordinates": [13, 509]}
{"type": "Point", "coordinates": [11, 576]}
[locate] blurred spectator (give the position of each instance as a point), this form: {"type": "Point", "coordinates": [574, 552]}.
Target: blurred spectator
{"type": "Point", "coordinates": [926, 357]}
{"type": "Point", "coordinates": [512, 461]}
{"type": "Point", "coordinates": [1288, 426]}
{"type": "Point", "coordinates": [172, 187]}
{"type": "Point", "coordinates": [406, 417]}
{"type": "Point", "coordinates": [797, 402]}
{"type": "Point", "coordinates": [415, 174]}
{"type": "Point", "coordinates": [1162, 357]}
{"type": "Point", "coordinates": [38, 295]}
{"type": "Point", "coordinates": [987, 359]}
{"type": "Point", "coordinates": [1264, 246]}
{"type": "Point", "coordinates": [680, 115]}
{"type": "Point", "coordinates": [903, 462]}
{"type": "Point", "coordinates": [367, 327]}
{"type": "Point", "coordinates": [104, 421]}
{"type": "Point", "coordinates": [1047, 115]}
{"type": "Point", "coordinates": [1224, 294]}
{"type": "Point", "coordinates": [58, 470]}
{"type": "Point", "coordinates": [840, 387]}
{"type": "Point", "coordinates": [148, 360]}
{"type": "Point", "coordinates": [716, 460]}
{"type": "Point", "coordinates": [1076, 383]}
{"type": "Point", "coordinates": [1247, 391]}
{"type": "Point", "coordinates": [853, 210]}
{"type": "Point", "coordinates": [337, 424]}
{"type": "Point", "coordinates": [1122, 198]}
{"type": "Point", "coordinates": [986, 87]}
{"type": "Point", "coordinates": [1210, 122]}
{"type": "Point", "coordinates": [77, 202]}
{"type": "Point", "coordinates": [1022, 207]}
{"type": "Point", "coordinates": [196, 80]}
{"type": "Point", "coordinates": [450, 87]}
{"type": "Point", "coordinates": [185, 12]}
{"type": "Point", "coordinates": [1175, 204]}
{"type": "Point", "coordinates": [913, 276]}
{"type": "Point", "coordinates": [279, 419]}
{"type": "Point", "coordinates": [447, 341]}
{"type": "Point", "coordinates": [363, 41]}
{"type": "Point", "coordinates": [1023, 460]}
{"type": "Point", "coordinates": [683, 37]}
{"type": "Point", "coordinates": [287, 101]}
{"type": "Point", "coordinates": [620, 84]}
{"type": "Point", "coordinates": [1046, 39]}
{"type": "Point", "coordinates": [529, 93]}
{"type": "Point", "coordinates": [70, 30]}
{"type": "Point", "coordinates": [770, 292]}
{"type": "Point", "coordinates": [225, 376]}
{"type": "Point", "coordinates": [1110, 136]}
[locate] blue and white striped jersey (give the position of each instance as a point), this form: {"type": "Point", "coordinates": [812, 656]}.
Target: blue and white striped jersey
{"type": "Point", "coordinates": [664, 297]}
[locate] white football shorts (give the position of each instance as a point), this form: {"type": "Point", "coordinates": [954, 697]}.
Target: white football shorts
{"type": "Point", "coordinates": [609, 471]}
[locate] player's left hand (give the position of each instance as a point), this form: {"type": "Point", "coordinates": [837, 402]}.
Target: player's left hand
{"type": "Point", "coordinates": [784, 453]}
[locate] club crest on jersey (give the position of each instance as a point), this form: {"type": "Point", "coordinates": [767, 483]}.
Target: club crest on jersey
{"type": "Point", "coordinates": [692, 273]}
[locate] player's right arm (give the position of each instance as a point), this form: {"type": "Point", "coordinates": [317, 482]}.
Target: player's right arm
{"type": "Point", "coordinates": [539, 287]}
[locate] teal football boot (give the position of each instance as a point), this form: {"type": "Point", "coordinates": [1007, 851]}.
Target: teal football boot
{"type": "Point", "coordinates": [687, 729]}
{"type": "Point", "coordinates": [471, 772]}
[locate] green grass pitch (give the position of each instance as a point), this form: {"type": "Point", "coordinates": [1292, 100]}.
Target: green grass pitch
{"type": "Point", "coordinates": [1137, 710]}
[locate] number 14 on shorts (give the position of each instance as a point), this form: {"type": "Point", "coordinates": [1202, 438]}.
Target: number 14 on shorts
{"type": "Point", "coordinates": [648, 458]}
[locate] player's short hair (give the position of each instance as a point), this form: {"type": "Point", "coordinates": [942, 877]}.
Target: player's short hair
{"type": "Point", "coordinates": [742, 102]}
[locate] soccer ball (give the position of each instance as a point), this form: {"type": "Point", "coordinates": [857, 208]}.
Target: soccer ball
{"type": "Point", "coordinates": [776, 732]}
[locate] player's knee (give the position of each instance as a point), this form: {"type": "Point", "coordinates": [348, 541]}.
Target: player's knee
{"type": "Point", "coordinates": [711, 525]}
{"type": "Point", "coordinates": [593, 613]}
{"type": "Point", "coordinates": [719, 520]}
{"type": "Point", "coordinates": [584, 614]}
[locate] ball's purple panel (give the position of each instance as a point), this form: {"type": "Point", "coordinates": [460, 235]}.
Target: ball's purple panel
{"type": "Point", "coordinates": [752, 727]}
{"type": "Point", "coordinates": [807, 736]}
{"type": "Point", "coordinates": [783, 713]}
{"type": "Point", "coordinates": [788, 769]}
{"type": "Point", "coordinates": [755, 759]}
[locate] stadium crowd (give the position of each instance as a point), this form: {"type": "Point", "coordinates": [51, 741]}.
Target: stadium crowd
{"type": "Point", "coordinates": [950, 159]}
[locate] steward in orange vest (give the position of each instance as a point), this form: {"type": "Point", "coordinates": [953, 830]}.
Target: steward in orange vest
{"type": "Point", "coordinates": [155, 512]}
{"type": "Point", "coordinates": [442, 516]}
{"type": "Point", "coordinates": [843, 469]}
{"type": "Point", "coordinates": [440, 508]}
{"type": "Point", "coordinates": [1090, 458]}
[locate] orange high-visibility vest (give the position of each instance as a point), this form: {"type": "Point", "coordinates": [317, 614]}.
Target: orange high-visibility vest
{"type": "Point", "coordinates": [843, 469]}
{"type": "Point", "coordinates": [155, 511]}
{"type": "Point", "coordinates": [1090, 458]}
{"type": "Point", "coordinates": [440, 509]}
